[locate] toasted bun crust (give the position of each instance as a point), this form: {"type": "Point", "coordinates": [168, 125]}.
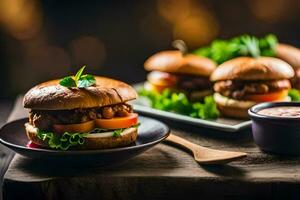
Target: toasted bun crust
{"type": "Point", "coordinates": [236, 108]}
{"type": "Point", "coordinates": [52, 96]}
{"type": "Point", "coordinates": [175, 62]}
{"type": "Point", "coordinates": [233, 112]}
{"type": "Point", "coordinates": [233, 108]}
{"type": "Point", "coordinates": [247, 68]}
{"type": "Point", "coordinates": [289, 54]}
{"type": "Point", "coordinates": [126, 138]}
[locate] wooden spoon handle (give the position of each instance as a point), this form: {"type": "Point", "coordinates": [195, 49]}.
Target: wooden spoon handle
{"type": "Point", "coordinates": [182, 142]}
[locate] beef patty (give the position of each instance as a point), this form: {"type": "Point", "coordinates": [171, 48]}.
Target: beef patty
{"type": "Point", "coordinates": [45, 119]}
{"type": "Point", "coordinates": [238, 89]}
{"type": "Point", "coordinates": [192, 83]}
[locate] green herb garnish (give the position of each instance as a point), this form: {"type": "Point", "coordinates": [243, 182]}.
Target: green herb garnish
{"type": "Point", "coordinates": [294, 94]}
{"type": "Point", "coordinates": [79, 80]}
{"type": "Point", "coordinates": [179, 103]}
{"type": "Point", "coordinates": [245, 45]}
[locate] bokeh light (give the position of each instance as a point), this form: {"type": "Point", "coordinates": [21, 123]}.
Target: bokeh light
{"type": "Point", "coordinates": [192, 21]}
{"type": "Point", "coordinates": [21, 18]}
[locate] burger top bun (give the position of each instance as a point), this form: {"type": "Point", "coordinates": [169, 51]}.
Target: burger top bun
{"type": "Point", "coordinates": [248, 68]}
{"type": "Point", "coordinates": [175, 62]}
{"type": "Point", "coordinates": [289, 54]}
{"type": "Point", "coordinates": [52, 96]}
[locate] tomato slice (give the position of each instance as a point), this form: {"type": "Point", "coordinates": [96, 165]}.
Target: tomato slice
{"type": "Point", "coordinates": [74, 128]}
{"type": "Point", "coordinates": [273, 96]}
{"type": "Point", "coordinates": [118, 122]}
{"type": "Point", "coordinates": [162, 78]}
{"type": "Point", "coordinates": [157, 88]}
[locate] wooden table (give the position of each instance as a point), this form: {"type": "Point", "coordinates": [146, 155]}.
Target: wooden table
{"type": "Point", "coordinates": [163, 172]}
{"type": "Point", "coordinates": [5, 153]}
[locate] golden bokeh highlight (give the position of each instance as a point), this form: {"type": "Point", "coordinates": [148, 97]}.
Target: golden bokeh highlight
{"type": "Point", "coordinates": [21, 18]}
{"type": "Point", "coordinates": [192, 21]}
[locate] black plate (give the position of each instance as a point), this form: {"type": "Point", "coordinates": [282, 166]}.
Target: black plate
{"type": "Point", "coordinates": [150, 132]}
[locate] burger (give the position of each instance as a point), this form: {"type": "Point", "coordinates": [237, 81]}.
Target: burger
{"type": "Point", "coordinates": [93, 117]}
{"type": "Point", "coordinates": [180, 72]}
{"type": "Point", "coordinates": [243, 82]}
{"type": "Point", "coordinates": [291, 55]}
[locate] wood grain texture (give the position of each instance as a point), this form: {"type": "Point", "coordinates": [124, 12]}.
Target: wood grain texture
{"type": "Point", "coordinates": [15, 113]}
{"type": "Point", "coordinates": [163, 172]}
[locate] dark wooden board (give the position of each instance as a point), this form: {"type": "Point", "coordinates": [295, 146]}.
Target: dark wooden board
{"type": "Point", "coordinates": [163, 172]}
{"type": "Point", "coordinates": [6, 115]}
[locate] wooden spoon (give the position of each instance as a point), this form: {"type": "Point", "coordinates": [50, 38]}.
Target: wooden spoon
{"type": "Point", "coordinates": [205, 155]}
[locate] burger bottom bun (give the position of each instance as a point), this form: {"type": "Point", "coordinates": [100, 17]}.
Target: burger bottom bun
{"type": "Point", "coordinates": [92, 141]}
{"type": "Point", "coordinates": [233, 112]}
{"type": "Point", "coordinates": [235, 108]}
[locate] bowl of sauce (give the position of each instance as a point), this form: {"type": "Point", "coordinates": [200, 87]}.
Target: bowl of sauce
{"type": "Point", "coordinates": [276, 127]}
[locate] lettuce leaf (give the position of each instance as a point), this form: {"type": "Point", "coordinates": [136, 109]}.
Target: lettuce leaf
{"type": "Point", "coordinates": [244, 45]}
{"type": "Point", "coordinates": [179, 103]}
{"type": "Point", "coordinates": [294, 94]}
{"type": "Point", "coordinates": [64, 141]}
{"type": "Point", "coordinates": [67, 140]}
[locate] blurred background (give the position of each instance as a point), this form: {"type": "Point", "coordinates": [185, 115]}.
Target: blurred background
{"type": "Point", "coordinates": [47, 39]}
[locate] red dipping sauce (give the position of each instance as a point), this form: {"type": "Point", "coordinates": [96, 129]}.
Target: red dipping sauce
{"type": "Point", "coordinates": [281, 111]}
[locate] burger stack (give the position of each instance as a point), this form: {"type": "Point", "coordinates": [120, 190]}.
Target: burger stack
{"type": "Point", "coordinates": [236, 84]}
{"type": "Point", "coordinates": [180, 73]}
{"type": "Point", "coordinates": [98, 114]}
{"type": "Point", "coordinates": [243, 82]}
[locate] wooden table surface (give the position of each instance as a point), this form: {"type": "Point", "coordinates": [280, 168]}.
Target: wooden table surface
{"type": "Point", "coordinates": [163, 172]}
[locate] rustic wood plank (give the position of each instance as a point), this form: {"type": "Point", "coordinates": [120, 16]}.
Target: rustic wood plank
{"type": "Point", "coordinates": [7, 154]}
{"type": "Point", "coordinates": [162, 172]}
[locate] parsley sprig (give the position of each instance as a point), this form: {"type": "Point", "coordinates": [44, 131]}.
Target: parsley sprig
{"type": "Point", "coordinates": [244, 45]}
{"type": "Point", "coordinates": [179, 103]}
{"type": "Point", "coordinates": [79, 80]}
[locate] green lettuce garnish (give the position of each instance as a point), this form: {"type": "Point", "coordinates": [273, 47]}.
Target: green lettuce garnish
{"type": "Point", "coordinates": [79, 80]}
{"type": "Point", "coordinates": [294, 94]}
{"type": "Point", "coordinates": [179, 103]}
{"type": "Point", "coordinates": [244, 45]}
